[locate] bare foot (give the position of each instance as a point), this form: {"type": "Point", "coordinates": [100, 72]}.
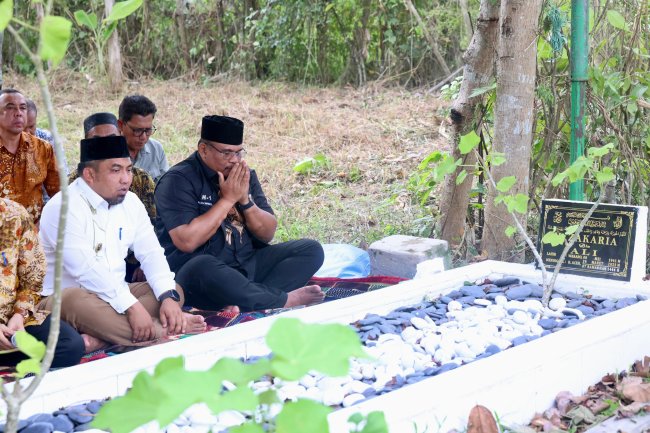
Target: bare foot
{"type": "Point", "coordinates": [307, 295]}
{"type": "Point", "coordinates": [195, 323]}
{"type": "Point", "coordinates": [231, 309]}
{"type": "Point", "coordinates": [93, 344]}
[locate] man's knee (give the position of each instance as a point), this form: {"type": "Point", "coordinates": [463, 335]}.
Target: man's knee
{"type": "Point", "coordinates": [312, 248]}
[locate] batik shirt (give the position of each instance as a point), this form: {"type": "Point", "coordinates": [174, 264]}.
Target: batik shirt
{"type": "Point", "coordinates": [23, 175]}
{"type": "Point", "coordinates": [23, 265]}
{"type": "Point", "coordinates": [142, 186]}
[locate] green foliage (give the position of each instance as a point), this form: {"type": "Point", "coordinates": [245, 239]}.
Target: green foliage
{"type": "Point", "coordinates": [101, 31]}
{"type": "Point", "coordinates": [449, 92]}
{"type": "Point", "coordinates": [297, 348]}
{"type": "Point", "coordinates": [506, 183]}
{"type": "Point", "coordinates": [55, 35]}
{"type": "Point", "coordinates": [325, 348]}
{"type": "Point", "coordinates": [34, 349]}
{"type": "Point", "coordinates": [310, 165]}
{"type": "Point", "coordinates": [554, 238]}
{"type": "Point", "coordinates": [6, 12]}
{"type": "Point", "coordinates": [375, 422]}
{"type": "Point", "coordinates": [468, 142]}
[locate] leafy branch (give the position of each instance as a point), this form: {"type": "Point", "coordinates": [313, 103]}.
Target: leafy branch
{"type": "Point", "coordinates": [54, 35]}
{"type": "Point", "coordinates": [297, 349]}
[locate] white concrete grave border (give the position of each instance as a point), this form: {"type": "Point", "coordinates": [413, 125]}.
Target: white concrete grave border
{"type": "Point", "coordinates": [515, 383]}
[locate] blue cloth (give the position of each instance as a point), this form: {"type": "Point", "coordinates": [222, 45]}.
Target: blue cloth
{"type": "Point", "coordinates": [344, 261]}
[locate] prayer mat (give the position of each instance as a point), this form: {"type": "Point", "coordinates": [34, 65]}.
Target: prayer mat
{"type": "Point", "coordinates": [334, 288]}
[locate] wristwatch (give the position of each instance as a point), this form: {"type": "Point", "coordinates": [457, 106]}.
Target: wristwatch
{"type": "Point", "coordinates": [170, 294]}
{"type": "Point", "coordinates": [250, 204]}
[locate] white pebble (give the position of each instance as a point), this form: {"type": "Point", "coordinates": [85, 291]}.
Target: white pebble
{"type": "Point", "coordinates": [349, 400]}
{"type": "Point", "coordinates": [420, 323]}
{"type": "Point", "coordinates": [333, 396]}
{"type": "Point", "coordinates": [484, 302]}
{"type": "Point", "coordinates": [454, 306]}
{"type": "Point", "coordinates": [557, 304]}
{"type": "Point", "coordinates": [500, 300]}
{"type": "Point", "coordinates": [520, 317]}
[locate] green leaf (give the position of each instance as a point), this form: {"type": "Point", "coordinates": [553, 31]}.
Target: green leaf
{"type": "Point", "coordinates": [446, 166]}
{"type": "Point", "coordinates": [599, 152]}
{"type": "Point", "coordinates": [241, 398]}
{"type": "Point", "coordinates": [571, 229]}
{"type": "Point", "coordinates": [84, 19]}
{"type": "Point", "coordinates": [122, 10]}
{"type": "Point", "coordinates": [461, 177]}
{"type": "Point", "coordinates": [510, 231]}
{"type": "Point", "coordinates": [468, 142]}
{"type": "Point", "coordinates": [497, 159]}
{"type": "Point", "coordinates": [30, 346]}
{"type": "Point", "coordinates": [139, 406]}
{"type": "Point", "coordinates": [268, 397]}
{"type": "Point", "coordinates": [238, 372]}
{"type": "Point", "coordinates": [55, 35]}
{"type": "Point", "coordinates": [356, 418]}
{"type": "Point", "coordinates": [305, 166]}
{"type": "Point", "coordinates": [6, 13]}
{"type": "Point", "coordinates": [506, 183]}
{"type": "Point", "coordinates": [375, 423]}
{"type": "Point", "coordinates": [481, 90]}
{"type": "Point", "coordinates": [616, 19]}
{"type": "Point", "coordinates": [27, 366]}
{"type": "Point", "coordinates": [108, 31]}
{"type": "Point", "coordinates": [249, 427]}
{"type": "Point", "coordinates": [517, 203]}
{"type": "Point", "coordinates": [554, 238]}
{"type": "Point", "coordinates": [559, 178]}
{"type": "Point", "coordinates": [299, 348]}
{"type": "Point", "coordinates": [304, 416]}
{"type": "Point", "coordinates": [605, 175]}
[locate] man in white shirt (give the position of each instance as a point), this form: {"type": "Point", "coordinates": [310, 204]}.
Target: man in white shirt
{"type": "Point", "coordinates": [104, 221]}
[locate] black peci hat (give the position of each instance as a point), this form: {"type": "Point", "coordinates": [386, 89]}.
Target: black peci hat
{"type": "Point", "coordinates": [98, 148]}
{"type": "Point", "coordinates": [222, 129]}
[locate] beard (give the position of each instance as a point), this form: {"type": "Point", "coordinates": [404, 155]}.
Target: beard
{"type": "Point", "coordinates": [116, 200]}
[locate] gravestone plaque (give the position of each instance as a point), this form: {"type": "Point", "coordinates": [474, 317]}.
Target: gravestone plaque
{"type": "Point", "coordinates": [605, 246]}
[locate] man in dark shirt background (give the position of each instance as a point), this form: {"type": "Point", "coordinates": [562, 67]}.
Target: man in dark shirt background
{"type": "Point", "coordinates": [215, 224]}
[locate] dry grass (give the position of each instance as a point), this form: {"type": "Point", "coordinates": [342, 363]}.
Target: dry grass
{"type": "Point", "coordinates": [373, 138]}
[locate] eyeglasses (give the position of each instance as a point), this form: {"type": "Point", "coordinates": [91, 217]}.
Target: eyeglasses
{"type": "Point", "coordinates": [228, 154]}
{"type": "Point", "coordinates": [139, 131]}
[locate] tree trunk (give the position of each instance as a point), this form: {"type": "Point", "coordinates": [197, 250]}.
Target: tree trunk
{"type": "Point", "coordinates": [2, 40]}
{"type": "Point", "coordinates": [513, 120]}
{"type": "Point", "coordinates": [115, 77]}
{"type": "Point", "coordinates": [467, 21]}
{"type": "Point", "coordinates": [479, 59]}
{"type": "Point", "coordinates": [356, 67]}
{"type": "Point", "coordinates": [179, 15]}
{"type": "Point", "coordinates": [221, 35]}
{"type": "Point", "coordinates": [427, 34]}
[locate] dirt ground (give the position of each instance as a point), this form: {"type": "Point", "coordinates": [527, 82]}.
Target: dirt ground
{"type": "Point", "coordinates": [373, 138]}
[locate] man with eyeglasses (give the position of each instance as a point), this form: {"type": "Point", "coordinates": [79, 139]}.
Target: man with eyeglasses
{"type": "Point", "coordinates": [136, 115]}
{"type": "Point", "coordinates": [27, 163]}
{"type": "Point", "coordinates": [215, 224]}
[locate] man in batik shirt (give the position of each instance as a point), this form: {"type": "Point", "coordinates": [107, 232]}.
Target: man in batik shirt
{"type": "Point", "coordinates": [27, 163]}
{"type": "Point", "coordinates": [23, 269]}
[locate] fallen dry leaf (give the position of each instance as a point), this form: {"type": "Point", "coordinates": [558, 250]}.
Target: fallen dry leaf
{"type": "Point", "coordinates": [481, 421]}
{"type": "Point", "coordinates": [642, 368]}
{"type": "Point", "coordinates": [581, 414]}
{"type": "Point", "coordinates": [633, 388]}
{"type": "Point", "coordinates": [563, 402]}
{"type": "Point", "coordinates": [631, 409]}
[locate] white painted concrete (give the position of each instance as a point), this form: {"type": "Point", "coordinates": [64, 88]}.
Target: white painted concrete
{"type": "Point", "coordinates": [514, 383]}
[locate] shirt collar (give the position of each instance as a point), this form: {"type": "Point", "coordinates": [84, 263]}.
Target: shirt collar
{"type": "Point", "coordinates": [207, 171]}
{"type": "Point", "coordinates": [94, 200]}
{"type": "Point", "coordinates": [23, 143]}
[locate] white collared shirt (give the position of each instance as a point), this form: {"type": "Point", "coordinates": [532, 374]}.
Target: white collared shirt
{"type": "Point", "coordinates": [97, 238]}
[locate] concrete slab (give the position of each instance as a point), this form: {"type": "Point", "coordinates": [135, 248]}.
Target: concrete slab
{"type": "Point", "coordinates": [399, 255]}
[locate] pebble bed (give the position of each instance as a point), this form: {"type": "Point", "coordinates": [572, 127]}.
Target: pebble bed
{"type": "Point", "coordinates": [408, 345]}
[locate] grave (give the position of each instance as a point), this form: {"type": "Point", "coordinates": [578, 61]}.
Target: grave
{"type": "Point", "coordinates": [514, 383]}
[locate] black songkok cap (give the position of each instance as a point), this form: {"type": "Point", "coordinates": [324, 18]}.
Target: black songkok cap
{"type": "Point", "coordinates": [99, 119]}
{"type": "Point", "coordinates": [98, 148]}
{"type": "Point", "coordinates": [222, 129]}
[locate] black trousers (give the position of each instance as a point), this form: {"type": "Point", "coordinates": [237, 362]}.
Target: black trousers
{"type": "Point", "coordinates": [69, 348]}
{"type": "Point", "coordinates": [209, 283]}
